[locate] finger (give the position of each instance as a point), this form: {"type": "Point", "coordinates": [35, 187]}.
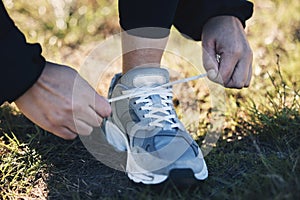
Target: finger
{"type": "Point", "coordinates": [240, 74]}
{"type": "Point", "coordinates": [209, 61]}
{"type": "Point", "coordinates": [82, 128]}
{"type": "Point", "coordinates": [65, 133]}
{"type": "Point", "coordinates": [89, 116]}
{"type": "Point", "coordinates": [228, 63]}
{"type": "Point", "coordinates": [101, 106]}
{"type": "Point", "coordinates": [211, 64]}
{"type": "Point", "coordinates": [58, 129]}
{"type": "Point", "coordinates": [78, 127]}
{"type": "Point", "coordinates": [96, 120]}
{"type": "Point", "coordinates": [238, 78]}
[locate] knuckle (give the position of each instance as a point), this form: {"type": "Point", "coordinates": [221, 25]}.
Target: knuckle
{"type": "Point", "coordinates": [237, 52]}
{"type": "Point", "coordinates": [225, 78]}
{"type": "Point", "coordinates": [235, 84]}
{"type": "Point", "coordinates": [100, 120]}
{"type": "Point", "coordinates": [239, 85]}
{"type": "Point", "coordinates": [68, 106]}
{"type": "Point", "coordinates": [86, 131]}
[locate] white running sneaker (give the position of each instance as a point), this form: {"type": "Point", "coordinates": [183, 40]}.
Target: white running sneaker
{"type": "Point", "coordinates": [146, 126]}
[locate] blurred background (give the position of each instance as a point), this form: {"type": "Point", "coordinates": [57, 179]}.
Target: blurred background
{"type": "Point", "coordinates": [264, 118]}
{"type": "Point", "coordinates": [66, 29]}
{"type": "Point", "coordinates": [69, 29]}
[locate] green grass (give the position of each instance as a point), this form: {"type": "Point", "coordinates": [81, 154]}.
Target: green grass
{"type": "Point", "coordinates": [257, 156]}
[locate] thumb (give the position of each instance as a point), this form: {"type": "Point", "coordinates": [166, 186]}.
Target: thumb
{"type": "Point", "coordinates": [102, 107]}
{"type": "Point", "coordinates": [211, 64]}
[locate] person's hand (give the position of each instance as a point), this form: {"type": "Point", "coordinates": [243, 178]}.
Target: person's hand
{"type": "Point", "coordinates": [227, 56]}
{"type": "Point", "coordinates": [63, 103]}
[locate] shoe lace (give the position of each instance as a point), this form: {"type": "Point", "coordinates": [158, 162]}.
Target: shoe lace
{"type": "Point", "coordinates": [158, 114]}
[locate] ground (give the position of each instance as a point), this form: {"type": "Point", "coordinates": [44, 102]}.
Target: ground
{"type": "Point", "coordinates": [257, 155]}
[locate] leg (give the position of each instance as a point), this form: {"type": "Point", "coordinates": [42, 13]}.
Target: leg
{"type": "Point", "coordinates": [141, 51]}
{"type": "Point", "coordinates": [145, 124]}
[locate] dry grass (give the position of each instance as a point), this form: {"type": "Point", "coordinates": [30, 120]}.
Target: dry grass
{"type": "Point", "coordinates": [256, 157]}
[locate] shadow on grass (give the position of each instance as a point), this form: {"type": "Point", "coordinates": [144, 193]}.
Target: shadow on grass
{"type": "Point", "coordinates": [69, 170]}
{"type": "Point", "coordinates": [264, 164]}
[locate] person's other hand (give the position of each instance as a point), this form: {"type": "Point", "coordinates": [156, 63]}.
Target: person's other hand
{"type": "Point", "coordinates": [63, 103]}
{"type": "Point", "coordinates": [224, 37]}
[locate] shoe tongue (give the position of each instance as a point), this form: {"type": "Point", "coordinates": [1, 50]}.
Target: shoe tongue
{"type": "Point", "coordinates": [145, 76]}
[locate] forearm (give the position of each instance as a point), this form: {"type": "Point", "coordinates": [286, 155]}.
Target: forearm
{"type": "Point", "coordinates": [21, 63]}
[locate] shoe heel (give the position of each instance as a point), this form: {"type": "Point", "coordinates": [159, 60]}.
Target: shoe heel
{"type": "Point", "coordinates": [115, 137]}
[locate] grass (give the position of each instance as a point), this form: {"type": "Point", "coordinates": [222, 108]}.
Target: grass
{"type": "Point", "coordinates": [256, 157]}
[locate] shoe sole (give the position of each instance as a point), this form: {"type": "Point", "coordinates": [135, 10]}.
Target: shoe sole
{"type": "Point", "coordinates": [119, 141]}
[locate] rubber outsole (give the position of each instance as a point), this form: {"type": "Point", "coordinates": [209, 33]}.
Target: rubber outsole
{"type": "Point", "coordinates": [179, 177]}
